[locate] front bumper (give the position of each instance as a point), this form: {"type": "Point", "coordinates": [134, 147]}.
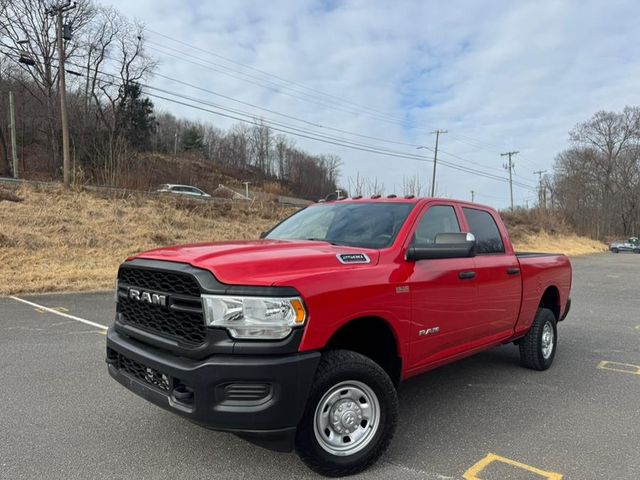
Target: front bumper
{"type": "Point", "coordinates": [259, 397]}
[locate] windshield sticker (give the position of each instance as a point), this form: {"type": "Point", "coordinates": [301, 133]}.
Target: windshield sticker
{"type": "Point", "coordinates": [353, 258]}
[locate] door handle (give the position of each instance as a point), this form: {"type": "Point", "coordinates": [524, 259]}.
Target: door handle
{"type": "Point", "coordinates": [466, 275]}
{"type": "Point", "coordinates": [513, 271]}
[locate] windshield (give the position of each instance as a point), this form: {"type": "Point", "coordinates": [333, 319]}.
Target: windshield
{"type": "Point", "coordinates": [366, 225]}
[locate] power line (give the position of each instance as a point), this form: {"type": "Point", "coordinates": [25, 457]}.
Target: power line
{"type": "Point", "coordinates": [316, 93]}
{"type": "Point", "coordinates": [268, 74]}
{"type": "Point", "coordinates": [338, 143]}
{"type": "Point", "coordinates": [279, 90]}
{"type": "Point", "coordinates": [252, 115]}
{"type": "Point", "coordinates": [314, 124]}
{"type": "Point", "coordinates": [378, 114]}
{"type": "Point", "coordinates": [295, 131]}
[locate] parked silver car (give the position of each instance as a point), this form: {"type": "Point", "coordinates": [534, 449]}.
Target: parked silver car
{"type": "Point", "coordinates": [631, 245]}
{"type": "Point", "coordinates": [182, 190]}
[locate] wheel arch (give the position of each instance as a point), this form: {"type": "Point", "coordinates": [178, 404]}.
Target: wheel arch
{"type": "Point", "coordinates": [551, 300]}
{"type": "Point", "coordinates": [373, 337]}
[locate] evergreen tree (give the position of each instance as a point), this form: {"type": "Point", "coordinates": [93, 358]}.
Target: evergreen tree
{"type": "Point", "coordinates": [135, 116]}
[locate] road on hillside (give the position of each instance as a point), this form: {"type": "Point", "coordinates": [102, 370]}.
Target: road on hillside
{"type": "Point", "coordinates": [484, 418]}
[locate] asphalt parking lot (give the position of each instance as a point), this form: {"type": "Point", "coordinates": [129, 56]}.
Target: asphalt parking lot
{"type": "Point", "coordinates": [485, 418]}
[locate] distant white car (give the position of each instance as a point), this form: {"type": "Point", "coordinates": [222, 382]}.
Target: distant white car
{"type": "Point", "coordinates": [183, 190]}
{"type": "Point", "coordinates": [631, 245]}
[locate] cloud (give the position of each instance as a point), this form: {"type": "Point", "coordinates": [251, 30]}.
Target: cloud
{"type": "Point", "coordinates": [497, 75]}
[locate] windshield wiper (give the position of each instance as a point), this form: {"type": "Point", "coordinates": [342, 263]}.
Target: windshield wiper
{"type": "Point", "coordinates": [321, 240]}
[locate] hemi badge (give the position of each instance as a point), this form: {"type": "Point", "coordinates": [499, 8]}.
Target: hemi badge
{"type": "Point", "coordinates": [353, 258]}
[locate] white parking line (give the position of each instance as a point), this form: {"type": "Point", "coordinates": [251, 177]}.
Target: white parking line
{"type": "Point", "coordinates": [65, 315]}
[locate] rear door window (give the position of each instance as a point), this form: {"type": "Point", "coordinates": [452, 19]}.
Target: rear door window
{"type": "Point", "coordinates": [485, 229]}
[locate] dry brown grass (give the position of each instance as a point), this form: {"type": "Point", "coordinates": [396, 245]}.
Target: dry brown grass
{"type": "Point", "coordinates": [546, 231]}
{"type": "Point", "coordinates": [60, 241]}
{"type": "Point", "coordinates": [71, 241]}
{"type": "Point", "coordinates": [571, 245]}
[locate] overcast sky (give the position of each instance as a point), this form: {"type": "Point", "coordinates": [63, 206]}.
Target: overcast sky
{"type": "Point", "coordinates": [499, 76]}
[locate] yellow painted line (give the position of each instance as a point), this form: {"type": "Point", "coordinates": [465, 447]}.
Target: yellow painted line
{"type": "Point", "coordinates": [57, 309]}
{"type": "Point", "coordinates": [619, 367]}
{"type": "Point", "coordinates": [472, 473]}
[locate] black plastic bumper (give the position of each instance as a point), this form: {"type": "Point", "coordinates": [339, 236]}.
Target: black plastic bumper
{"type": "Point", "coordinates": [258, 397]}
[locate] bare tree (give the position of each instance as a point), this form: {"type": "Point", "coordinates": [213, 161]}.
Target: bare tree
{"type": "Point", "coordinates": [28, 31]}
{"type": "Point", "coordinates": [597, 180]}
{"type": "Point", "coordinates": [412, 185]}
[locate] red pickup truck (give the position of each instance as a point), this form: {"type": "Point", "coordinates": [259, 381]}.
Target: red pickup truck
{"type": "Point", "coordinates": [300, 339]}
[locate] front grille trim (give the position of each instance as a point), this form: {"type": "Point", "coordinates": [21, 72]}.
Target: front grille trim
{"type": "Point", "coordinates": [172, 283]}
{"type": "Point", "coordinates": [181, 320]}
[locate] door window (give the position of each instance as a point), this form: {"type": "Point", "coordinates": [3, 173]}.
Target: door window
{"type": "Point", "coordinates": [438, 219]}
{"type": "Point", "coordinates": [484, 228]}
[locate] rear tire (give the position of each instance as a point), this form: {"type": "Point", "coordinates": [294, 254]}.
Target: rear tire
{"type": "Point", "coordinates": [614, 250]}
{"type": "Point", "coordinates": [636, 250]}
{"type": "Point", "coordinates": [350, 416]}
{"type": "Point", "coordinates": [538, 347]}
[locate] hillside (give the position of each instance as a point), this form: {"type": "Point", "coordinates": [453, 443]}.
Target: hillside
{"type": "Point", "coordinates": [52, 240]}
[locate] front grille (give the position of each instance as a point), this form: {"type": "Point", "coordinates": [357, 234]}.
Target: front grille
{"type": "Point", "coordinates": [144, 373]}
{"type": "Point", "coordinates": [184, 327]}
{"type": "Point", "coordinates": [161, 281]}
{"type": "Point", "coordinates": [180, 320]}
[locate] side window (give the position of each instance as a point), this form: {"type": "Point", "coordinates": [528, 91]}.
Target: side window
{"type": "Point", "coordinates": [483, 226]}
{"type": "Point", "coordinates": [438, 219]}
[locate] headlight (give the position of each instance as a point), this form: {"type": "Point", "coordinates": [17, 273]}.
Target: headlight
{"type": "Point", "coordinates": [254, 317]}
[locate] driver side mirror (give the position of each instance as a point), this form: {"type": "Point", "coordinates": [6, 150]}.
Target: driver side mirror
{"type": "Point", "coordinates": [446, 245]}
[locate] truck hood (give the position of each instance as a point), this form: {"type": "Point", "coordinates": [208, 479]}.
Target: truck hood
{"type": "Point", "coordinates": [262, 262]}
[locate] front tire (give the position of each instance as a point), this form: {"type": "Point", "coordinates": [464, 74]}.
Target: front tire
{"type": "Point", "coordinates": [350, 417]}
{"type": "Point", "coordinates": [538, 347]}
{"type": "Point", "coordinates": [614, 250]}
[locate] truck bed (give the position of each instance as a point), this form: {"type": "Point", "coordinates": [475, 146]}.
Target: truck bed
{"type": "Point", "coordinates": [536, 254]}
{"type": "Point", "coordinates": [540, 271]}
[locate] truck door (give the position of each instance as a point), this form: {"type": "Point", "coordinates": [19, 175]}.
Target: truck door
{"type": "Point", "coordinates": [443, 293]}
{"type": "Point", "coordinates": [498, 278]}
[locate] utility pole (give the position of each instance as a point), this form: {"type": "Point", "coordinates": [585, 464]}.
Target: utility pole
{"type": "Point", "coordinates": [541, 193]}
{"type": "Point", "coordinates": [58, 11]}
{"type": "Point", "coordinates": [509, 166]}
{"type": "Point", "coordinates": [435, 160]}
{"type": "Point", "coordinates": [12, 126]}
{"type": "Point", "coordinates": [246, 188]}
{"type": "Point", "coordinates": [473, 196]}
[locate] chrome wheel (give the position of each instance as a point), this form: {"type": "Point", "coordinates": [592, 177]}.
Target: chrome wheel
{"type": "Point", "coordinates": [347, 418]}
{"type": "Point", "coordinates": [547, 340]}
